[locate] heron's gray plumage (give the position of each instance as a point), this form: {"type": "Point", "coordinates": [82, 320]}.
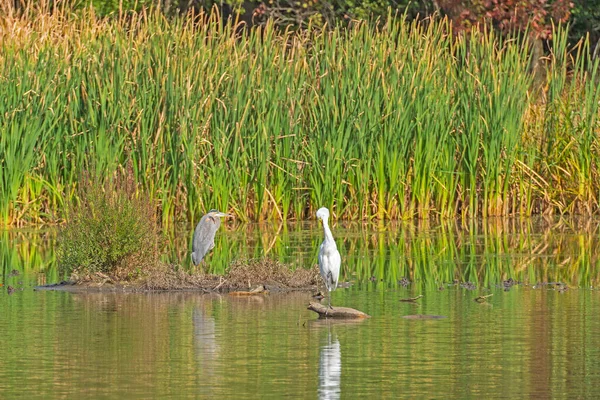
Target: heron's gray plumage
{"type": "Point", "coordinates": [329, 256]}
{"type": "Point", "coordinates": [204, 235]}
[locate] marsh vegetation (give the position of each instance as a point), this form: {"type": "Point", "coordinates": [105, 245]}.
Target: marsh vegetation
{"type": "Point", "coordinates": [392, 122]}
{"type": "Point", "coordinates": [427, 256]}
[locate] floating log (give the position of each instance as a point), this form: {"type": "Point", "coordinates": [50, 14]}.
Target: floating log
{"type": "Point", "coordinates": [256, 291]}
{"type": "Point", "coordinates": [483, 299]}
{"type": "Point", "coordinates": [336, 312]}
{"type": "Point", "coordinates": [421, 316]}
{"type": "Point", "coordinates": [412, 299]}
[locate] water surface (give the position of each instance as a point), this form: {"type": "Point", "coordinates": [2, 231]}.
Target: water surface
{"type": "Point", "coordinates": [529, 341]}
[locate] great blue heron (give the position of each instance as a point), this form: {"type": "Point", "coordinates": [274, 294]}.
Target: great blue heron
{"type": "Point", "coordinates": [329, 256]}
{"type": "Point", "coordinates": [204, 235]}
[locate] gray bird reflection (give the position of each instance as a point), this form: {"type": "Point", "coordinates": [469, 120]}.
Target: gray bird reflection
{"type": "Point", "coordinates": [205, 340]}
{"type": "Point", "coordinates": [330, 368]}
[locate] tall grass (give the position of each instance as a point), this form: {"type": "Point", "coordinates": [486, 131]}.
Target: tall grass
{"type": "Point", "coordinates": [571, 135]}
{"type": "Point", "coordinates": [392, 122]}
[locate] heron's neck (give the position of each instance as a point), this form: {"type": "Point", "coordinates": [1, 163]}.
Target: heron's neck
{"type": "Point", "coordinates": [327, 232]}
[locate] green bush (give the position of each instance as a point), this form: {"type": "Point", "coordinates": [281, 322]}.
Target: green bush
{"type": "Point", "coordinates": [113, 231]}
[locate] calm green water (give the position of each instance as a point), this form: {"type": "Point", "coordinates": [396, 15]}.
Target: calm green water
{"type": "Point", "coordinates": [529, 341]}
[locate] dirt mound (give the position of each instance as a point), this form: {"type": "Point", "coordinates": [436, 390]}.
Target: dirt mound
{"type": "Point", "coordinates": [270, 273]}
{"type": "Point", "coordinates": [242, 275]}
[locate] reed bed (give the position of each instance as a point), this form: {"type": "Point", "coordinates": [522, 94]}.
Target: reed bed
{"type": "Point", "coordinates": [398, 121]}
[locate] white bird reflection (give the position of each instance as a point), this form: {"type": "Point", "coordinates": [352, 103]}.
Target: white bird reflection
{"type": "Point", "coordinates": [330, 369]}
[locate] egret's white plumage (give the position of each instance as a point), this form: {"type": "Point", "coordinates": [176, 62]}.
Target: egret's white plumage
{"type": "Point", "coordinates": [329, 256]}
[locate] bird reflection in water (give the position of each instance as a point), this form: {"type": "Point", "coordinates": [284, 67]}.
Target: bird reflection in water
{"type": "Point", "coordinates": [205, 340]}
{"type": "Point", "coordinates": [330, 368]}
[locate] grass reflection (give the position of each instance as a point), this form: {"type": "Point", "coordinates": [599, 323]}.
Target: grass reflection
{"type": "Point", "coordinates": [529, 343]}
{"type": "Point", "coordinates": [374, 256]}
{"type": "Point", "coordinates": [27, 257]}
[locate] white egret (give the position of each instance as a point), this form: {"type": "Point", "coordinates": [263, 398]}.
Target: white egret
{"type": "Point", "coordinates": [329, 256]}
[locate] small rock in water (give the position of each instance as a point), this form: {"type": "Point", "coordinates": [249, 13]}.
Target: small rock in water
{"type": "Point", "coordinates": [404, 282]}
{"type": "Point", "coordinates": [373, 279]}
{"type": "Point", "coordinates": [468, 285]}
{"type": "Point", "coordinates": [14, 272]}
{"type": "Point", "coordinates": [10, 289]}
{"type": "Point", "coordinates": [561, 287]}
{"type": "Point", "coordinates": [510, 282]}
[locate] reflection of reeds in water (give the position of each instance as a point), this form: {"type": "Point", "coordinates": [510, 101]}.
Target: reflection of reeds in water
{"type": "Point", "coordinates": [31, 254]}
{"type": "Point", "coordinates": [485, 253]}
{"type": "Point", "coordinates": [146, 345]}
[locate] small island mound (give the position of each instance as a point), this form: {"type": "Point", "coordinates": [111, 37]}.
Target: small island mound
{"type": "Point", "coordinates": [113, 241]}
{"type": "Point", "coordinates": [242, 277]}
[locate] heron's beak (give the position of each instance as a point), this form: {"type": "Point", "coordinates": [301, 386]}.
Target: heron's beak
{"type": "Point", "coordinates": [222, 214]}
